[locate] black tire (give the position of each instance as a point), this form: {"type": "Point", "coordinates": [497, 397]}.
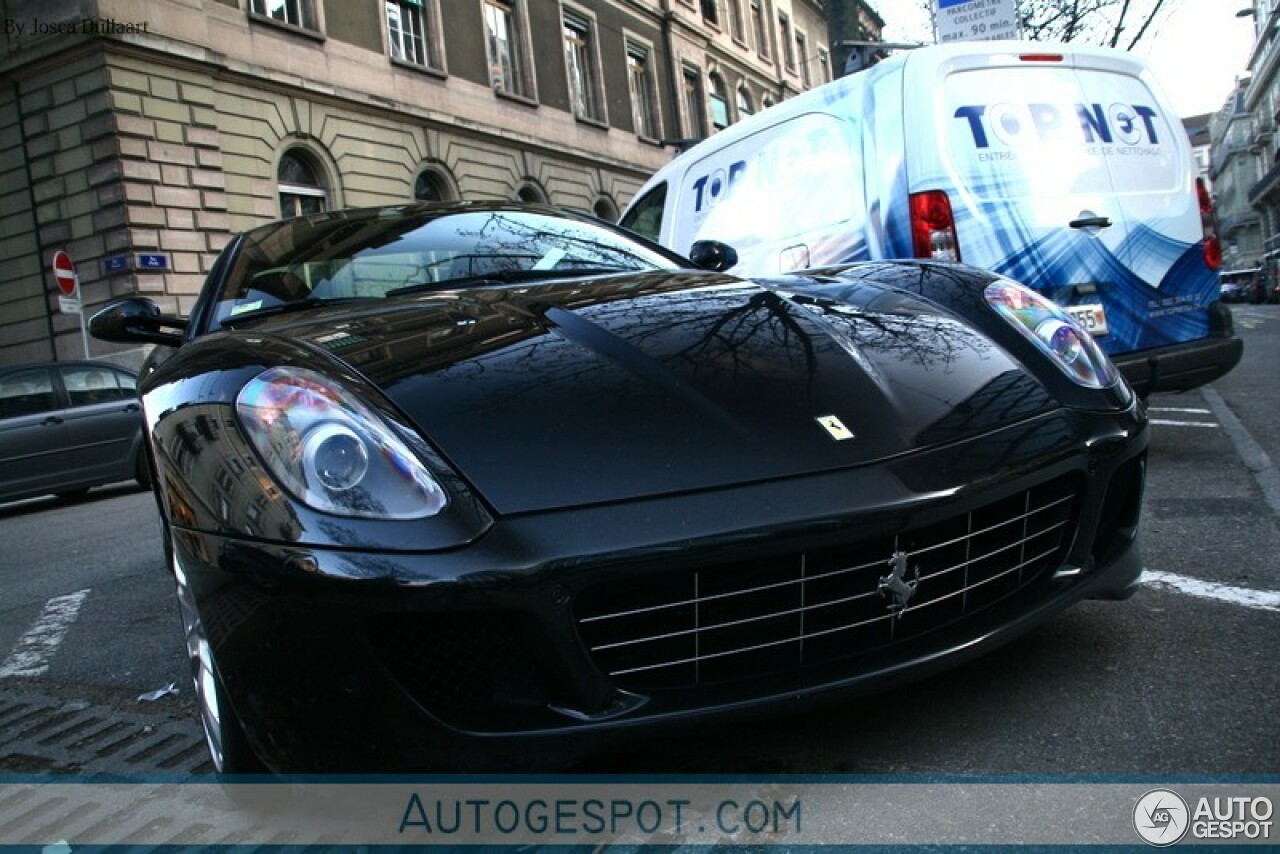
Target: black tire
{"type": "Point", "coordinates": [141, 470]}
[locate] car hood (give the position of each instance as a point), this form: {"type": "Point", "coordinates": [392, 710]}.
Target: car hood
{"type": "Point", "coordinates": [621, 387]}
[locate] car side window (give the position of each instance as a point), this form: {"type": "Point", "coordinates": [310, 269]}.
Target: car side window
{"type": "Point", "coordinates": [89, 384]}
{"type": "Point", "coordinates": [26, 392]}
{"type": "Point", "coordinates": [645, 217]}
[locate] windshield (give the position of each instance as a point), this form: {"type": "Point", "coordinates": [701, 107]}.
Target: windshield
{"type": "Point", "coordinates": [375, 254]}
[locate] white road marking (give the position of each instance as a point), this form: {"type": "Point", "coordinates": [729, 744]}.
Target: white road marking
{"type": "Point", "coordinates": [1262, 600]}
{"type": "Point", "coordinates": [1183, 409]}
{"type": "Point", "coordinates": [1165, 422]}
{"type": "Point", "coordinates": [32, 652]}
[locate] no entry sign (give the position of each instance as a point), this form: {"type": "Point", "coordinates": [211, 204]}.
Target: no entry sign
{"type": "Point", "coordinates": [64, 273]}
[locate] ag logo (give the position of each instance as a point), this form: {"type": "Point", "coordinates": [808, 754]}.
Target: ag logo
{"type": "Point", "coordinates": [1161, 817]}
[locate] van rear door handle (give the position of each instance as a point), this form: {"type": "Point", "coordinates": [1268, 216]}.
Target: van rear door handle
{"type": "Point", "coordinates": [1091, 222]}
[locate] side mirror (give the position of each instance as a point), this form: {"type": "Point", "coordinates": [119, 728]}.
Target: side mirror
{"type": "Point", "coordinates": [713, 255]}
{"type": "Point", "coordinates": [136, 319]}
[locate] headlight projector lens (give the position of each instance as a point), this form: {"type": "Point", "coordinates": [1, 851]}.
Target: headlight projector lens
{"type": "Point", "coordinates": [334, 457]}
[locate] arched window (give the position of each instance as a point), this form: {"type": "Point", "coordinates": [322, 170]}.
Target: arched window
{"type": "Point", "coordinates": [530, 193]}
{"type": "Point", "coordinates": [745, 105]}
{"type": "Point", "coordinates": [719, 102]}
{"type": "Point", "coordinates": [301, 185]}
{"type": "Point", "coordinates": [693, 102]}
{"type": "Point", "coordinates": [605, 209]}
{"type": "Point", "coordinates": [431, 186]}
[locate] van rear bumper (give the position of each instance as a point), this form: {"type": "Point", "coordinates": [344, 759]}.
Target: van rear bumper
{"type": "Point", "coordinates": [1180, 367]}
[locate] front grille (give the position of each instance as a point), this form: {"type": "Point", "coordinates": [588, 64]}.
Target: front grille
{"type": "Point", "coordinates": [722, 622]}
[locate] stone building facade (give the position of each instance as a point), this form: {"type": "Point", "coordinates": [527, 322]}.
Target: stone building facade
{"type": "Point", "coordinates": [1262, 102]}
{"type": "Point", "coordinates": [1234, 168]}
{"type": "Point", "coordinates": [1245, 164]}
{"type": "Point", "coordinates": [139, 135]}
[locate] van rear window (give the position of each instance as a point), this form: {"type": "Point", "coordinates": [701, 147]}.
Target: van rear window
{"type": "Point", "coordinates": [1055, 132]}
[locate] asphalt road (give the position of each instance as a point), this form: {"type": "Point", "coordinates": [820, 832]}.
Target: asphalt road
{"type": "Point", "coordinates": [1182, 679]}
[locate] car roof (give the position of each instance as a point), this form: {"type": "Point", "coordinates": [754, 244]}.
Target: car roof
{"type": "Point", "coordinates": [65, 363]}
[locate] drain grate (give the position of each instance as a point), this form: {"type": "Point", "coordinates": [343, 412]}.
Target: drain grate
{"type": "Point", "coordinates": [41, 733]}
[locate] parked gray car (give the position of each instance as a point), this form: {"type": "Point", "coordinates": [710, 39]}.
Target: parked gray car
{"type": "Point", "coordinates": [68, 426]}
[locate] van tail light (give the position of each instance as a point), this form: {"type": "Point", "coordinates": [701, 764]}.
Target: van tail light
{"type": "Point", "coordinates": [1209, 223]}
{"type": "Point", "coordinates": [933, 228]}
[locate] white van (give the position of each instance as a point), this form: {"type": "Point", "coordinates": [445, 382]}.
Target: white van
{"type": "Point", "coordinates": [1059, 166]}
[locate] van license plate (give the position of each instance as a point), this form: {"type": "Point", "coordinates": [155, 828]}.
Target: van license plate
{"type": "Point", "coordinates": [1091, 317]}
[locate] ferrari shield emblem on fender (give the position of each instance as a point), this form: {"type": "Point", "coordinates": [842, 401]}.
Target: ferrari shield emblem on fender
{"type": "Point", "coordinates": [900, 584]}
{"type": "Point", "coordinates": [835, 427]}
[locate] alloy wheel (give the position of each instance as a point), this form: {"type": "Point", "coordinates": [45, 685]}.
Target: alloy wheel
{"type": "Point", "coordinates": [203, 674]}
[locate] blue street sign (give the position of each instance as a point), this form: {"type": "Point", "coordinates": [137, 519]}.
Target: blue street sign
{"type": "Point", "coordinates": [115, 264]}
{"type": "Point", "coordinates": [153, 262]}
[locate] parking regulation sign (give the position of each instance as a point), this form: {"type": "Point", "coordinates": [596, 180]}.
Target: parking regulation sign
{"type": "Point", "coordinates": [975, 20]}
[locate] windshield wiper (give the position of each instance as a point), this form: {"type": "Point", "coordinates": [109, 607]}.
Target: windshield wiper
{"type": "Point", "coordinates": [507, 277]}
{"type": "Point", "coordinates": [286, 308]}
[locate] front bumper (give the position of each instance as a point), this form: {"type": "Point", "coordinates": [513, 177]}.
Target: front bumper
{"type": "Point", "coordinates": [339, 660]}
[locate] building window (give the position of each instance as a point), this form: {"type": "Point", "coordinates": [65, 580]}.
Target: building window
{"type": "Point", "coordinates": [745, 107]}
{"type": "Point", "coordinates": [531, 194]}
{"type": "Point", "coordinates": [737, 26]}
{"type": "Point", "coordinates": [579, 57]}
{"type": "Point", "coordinates": [296, 12]}
{"type": "Point", "coordinates": [643, 101]}
{"type": "Point", "coordinates": [719, 102]}
{"type": "Point", "coordinates": [711, 12]}
{"type": "Point", "coordinates": [506, 54]}
{"type": "Point", "coordinates": [431, 186]}
{"type": "Point", "coordinates": [301, 189]}
{"type": "Point", "coordinates": [693, 103]}
{"type": "Point", "coordinates": [802, 56]}
{"type": "Point", "coordinates": [758, 28]}
{"type": "Point", "coordinates": [788, 50]}
{"type": "Point", "coordinates": [410, 32]}
{"type": "Point", "coordinates": [824, 66]}
{"type": "Point", "coordinates": [605, 209]}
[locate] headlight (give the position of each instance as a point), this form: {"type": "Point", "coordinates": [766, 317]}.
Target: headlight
{"type": "Point", "coordinates": [1053, 331]}
{"type": "Point", "coordinates": [332, 452]}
